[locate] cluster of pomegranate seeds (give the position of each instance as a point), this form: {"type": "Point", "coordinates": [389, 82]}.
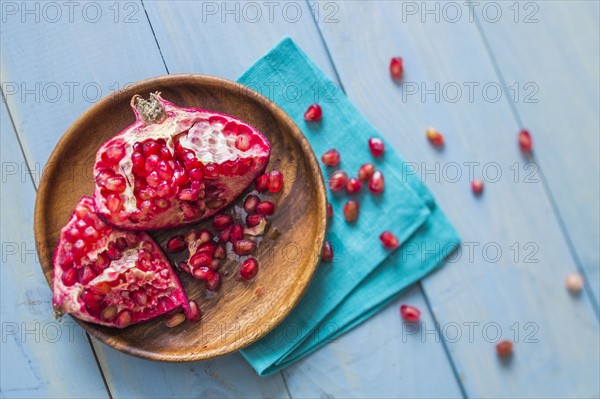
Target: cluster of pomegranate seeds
{"type": "Point", "coordinates": [396, 68]}
{"type": "Point", "coordinates": [504, 348]}
{"type": "Point", "coordinates": [272, 181]}
{"type": "Point", "coordinates": [313, 113]}
{"type": "Point", "coordinates": [477, 186]}
{"type": "Point", "coordinates": [331, 157]}
{"type": "Point", "coordinates": [410, 313]}
{"type": "Point", "coordinates": [376, 146]}
{"type": "Point", "coordinates": [249, 269]}
{"type": "Point", "coordinates": [435, 137]}
{"type": "Point", "coordinates": [350, 211]}
{"type": "Point", "coordinates": [574, 283]}
{"type": "Point", "coordinates": [327, 254]}
{"type": "Point", "coordinates": [389, 240]}
{"type": "Point", "coordinates": [525, 141]}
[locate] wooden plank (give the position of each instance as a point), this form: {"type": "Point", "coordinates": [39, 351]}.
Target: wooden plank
{"type": "Point", "coordinates": [33, 343]}
{"type": "Point", "coordinates": [564, 37]}
{"type": "Point", "coordinates": [101, 55]}
{"type": "Point", "coordinates": [514, 287]}
{"type": "Point", "coordinates": [174, 23]}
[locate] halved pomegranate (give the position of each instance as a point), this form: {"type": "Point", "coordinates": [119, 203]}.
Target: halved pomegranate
{"type": "Point", "coordinates": [109, 276]}
{"type": "Point", "coordinates": [175, 166]}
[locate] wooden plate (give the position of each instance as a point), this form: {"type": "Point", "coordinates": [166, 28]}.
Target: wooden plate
{"type": "Point", "coordinates": [240, 312]}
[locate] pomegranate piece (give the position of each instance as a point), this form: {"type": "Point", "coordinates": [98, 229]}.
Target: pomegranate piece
{"type": "Point", "coordinates": [366, 171]}
{"type": "Point", "coordinates": [327, 254]}
{"type": "Point", "coordinates": [275, 181]}
{"type": "Point", "coordinates": [376, 182]}
{"type": "Point", "coordinates": [261, 183]}
{"type": "Point", "coordinates": [313, 113]}
{"type": "Point", "coordinates": [329, 211]}
{"type": "Point", "coordinates": [389, 240]}
{"type": "Point", "coordinates": [351, 211]}
{"type": "Point", "coordinates": [410, 313]}
{"type": "Point", "coordinates": [525, 141]}
{"type": "Point", "coordinates": [477, 186]}
{"type": "Point", "coordinates": [113, 277]}
{"type": "Point", "coordinates": [574, 283]}
{"type": "Point", "coordinates": [250, 204]}
{"type": "Point", "coordinates": [434, 137]}
{"type": "Point", "coordinates": [244, 247]}
{"type": "Point", "coordinates": [249, 269]}
{"type": "Point", "coordinates": [353, 186]}
{"type": "Point", "coordinates": [504, 348]}
{"type": "Point", "coordinates": [331, 157]}
{"type": "Point", "coordinates": [175, 166]}
{"type": "Point", "coordinates": [266, 208]}
{"type": "Point", "coordinates": [396, 68]}
{"type": "Point", "coordinates": [376, 146]}
{"type": "Point", "coordinates": [338, 180]}
{"type": "Point", "coordinates": [176, 243]}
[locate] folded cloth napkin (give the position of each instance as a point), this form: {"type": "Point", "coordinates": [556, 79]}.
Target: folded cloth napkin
{"type": "Point", "coordinates": [364, 276]}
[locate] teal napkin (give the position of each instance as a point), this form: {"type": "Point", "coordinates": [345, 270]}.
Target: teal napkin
{"type": "Point", "coordinates": [364, 276]}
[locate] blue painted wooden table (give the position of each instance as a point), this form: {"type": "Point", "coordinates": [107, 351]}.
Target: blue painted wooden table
{"type": "Point", "coordinates": [478, 72]}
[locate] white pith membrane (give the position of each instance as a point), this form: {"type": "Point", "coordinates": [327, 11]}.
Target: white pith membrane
{"type": "Point", "coordinates": [212, 138]}
{"type": "Point", "coordinates": [122, 285]}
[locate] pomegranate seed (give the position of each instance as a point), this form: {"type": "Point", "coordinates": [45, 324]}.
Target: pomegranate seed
{"type": "Point", "coordinates": [353, 186]}
{"type": "Point", "coordinates": [242, 142]}
{"type": "Point", "coordinates": [254, 220]}
{"type": "Point", "coordinates": [221, 222]}
{"type": "Point", "coordinates": [165, 153]}
{"type": "Point", "coordinates": [195, 312]}
{"type": "Point", "coordinates": [220, 252]}
{"type": "Point", "coordinates": [204, 235]}
{"type": "Point", "coordinates": [327, 254]}
{"type": "Point", "coordinates": [236, 233]}
{"type": "Point", "coordinates": [175, 320]}
{"type": "Point", "coordinates": [275, 181]}
{"type": "Point", "coordinates": [176, 243]}
{"type": "Point", "coordinates": [525, 141]}
{"type": "Point", "coordinates": [188, 194]}
{"type": "Point", "coordinates": [338, 180]}
{"type": "Point", "coordinates": [376, 183]}
{"type": "Point", "coordinates": [114, 153]}
{"type": "Point", "coordinates": [214, 282]}
{"type": "Point", "coordinates": [574, 283]}
{"type": "Point", "coordinates": [351, 211]}
{"type": "Point", "coordinates": [504, 348]}
{"type": "Point", "coordinates": [244, 247]}
{"type": "Point", "coordinates": [261, 183]}
{"type": "Point", "coordinates": [124, 319]}
{"type": "Point", "coordinates": [396, 68]}
{"type": "Point", "coordinates": [200, 259]}
{"type": "Point", "coordinates": [331, 158]}
{"type": "Point", "coordinates": [203, 273]}
{"type": "Point", "coordinates": [164, 190]}
{"type": "Point", "coordinates": [250, 203]}
{"type": "Point", "coordinates": [70, 277]}
{"type": "Point", "coordinates": [266, 208]}
{"type": "Point", "coordinates": [109, 313]}
{"type": "Point", "coordinates": [329, 211]}
{"type": "Point", "coordinates": [249, 269]}
{"type": "Point", "coordinates": [208, 247]}
{"type": "Point", "coordinates": [366, 171]}
{"type": "Point", "coordinates": [389, 240]}
{"type": "Point", "coordinates": [410, 313]}
{"type": "Point", "coordinates": [151, 148]}
{"type": "Point", "coordinates": [376, 146]}
{"type": "Point", "coordinates": [224, 235]}
{"type": "Point", "coordinates": [313, 113]}
{"type": "Point", "coordinates": [115, 183]}
{"type": "Point", "coordinates": [434, 137]}
{"type": "Point", "coordinates": [152, 163]}
{"type": "Point", "coordinates": [196, 174]}
{"type": "Point", "coordinates": [477, 186]}
{"type": "Point", "coordinates": [180, 177]}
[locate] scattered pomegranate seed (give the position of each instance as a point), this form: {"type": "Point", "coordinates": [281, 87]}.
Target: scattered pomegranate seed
{"type": "Point", "coordinates": [327, 254]}
{"type": "Point", "coordinates": [221, 222]}
{"type": "Point", "coordinates": [175, 320]}
{"type": "Point", "coordinates": [574, 283]}
{"type": "Point", "coordinates": [236, 233]}
{"type": "Point", "coordinates": [313, 113]}
{"type": "Point", "coordinates": [249, 269]}
{"type": "Point", "coordinates": [253, 220]}
{"type": "Point", "coordinates": [477, 186]}
{"type": "Point", "coordinates": [353, 186]}
{"type": "Point", "coordinates": [366, 171]}
{"type": "Point", "coordinates": [389, 240]}
{"type": "Point", "coordinates": [250, 204]}
{"type": "Point", "coordinates": [376, 146]}
{"type": "Point", "coordinates": [525, 141]}
{"type": "Point", "coordinates": [176, 243]}
{"type": "Point", "coordinates": [261, 183]}
{"type": "Point", "coordinates": [434, 137]}
{"type": "Point", "coordinates": [244, 247]}
{"type": "Point", "coordinates": [376, 183]}
{"type": "Point", "coordinates": [410, 313]}
{"type": "Point", "coordinates": [338, 180]}
{"type": "Point", "coordinates": [266, 208]}
{"type": "Point", "coordinates": [331, 157]}
{"type": "Point", "coordinates": [275, 181]}
{"type": "Point", "coordinates": [329, 211]}
{"type": "Point", "coordinates": [504, 348]}
{"type": "Point", "coordinates": [214, 282]}
{"type": "Point", "coordinates": [195, 312]}
{"type": "Point", "coordinates": [351, 211]}
{"type": "Point", "coordinates": [396, 68]}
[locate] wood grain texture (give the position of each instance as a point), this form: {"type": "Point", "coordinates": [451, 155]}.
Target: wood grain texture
{"type": "Point", "coordinates": [236, 316]}
{"type": "Point", "coordinates": [560, 60]}
{"type": "Point", "coordinates": [488, 287]}
{"type": "Point", "coordinates": [33, 343]}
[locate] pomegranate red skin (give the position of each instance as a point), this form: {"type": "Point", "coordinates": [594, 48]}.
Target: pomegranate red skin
{"type": "Point", "coordinates": [162, 293]}
{"type": "Point", "coordinates": [198, 186]}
